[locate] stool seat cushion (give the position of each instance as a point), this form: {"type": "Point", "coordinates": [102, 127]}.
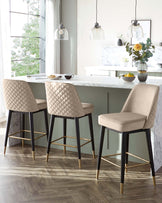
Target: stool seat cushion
{"type": "Point", "coordinates": [42, 104]}
{"type": "Point", "coordinates": [87, 107]}
{"type": "Point", "coordinates": [122, 122]}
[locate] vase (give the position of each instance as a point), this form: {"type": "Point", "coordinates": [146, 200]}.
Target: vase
{"type": "Point", "coordinates": [119, 42]}
{"type": "Point", "coordinates": [141, 71]}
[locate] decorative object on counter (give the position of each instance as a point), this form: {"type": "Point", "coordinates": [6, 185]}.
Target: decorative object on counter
{"type": "Point", "coordinates": [120, 40]}
{"type": "Point", "coordinates": [160, 64]}
{"type": "Point", "coordinates": [69, 76]}
{"type": "Point", "coordinates": [61, 33]}
{"type": "Point", "coordinates": [120, 43]}
{"type": "Point", "coordinates": [125, 61]}
{"type": "Point", "coordinates": [160, 44]}
{"type": "Point", "coordinates": [97, 33]}
{"type": "Point", "coordinates": [129, 77]}
{"type": "Point", "coordinates": [135, 29]}
{"type": "Point", "coordinates": [140, 54]}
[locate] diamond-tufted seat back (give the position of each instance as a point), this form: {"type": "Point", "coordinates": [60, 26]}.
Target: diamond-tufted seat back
{"type": "Point", "coordinates": [18, 96]}
{"type": "Point", "coordinates": [63, 100]}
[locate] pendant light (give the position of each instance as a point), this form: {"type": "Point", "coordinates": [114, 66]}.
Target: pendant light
{"type": "Point", "coordinates": [97, 32]}
{"type": "Point", "coordinates": [61, 32]}
{"type": "Point", "coordinates": [135, 29]}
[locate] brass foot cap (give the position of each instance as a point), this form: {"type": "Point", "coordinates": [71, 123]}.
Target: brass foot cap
{"type": "Point", "coordinates": [121, 188]}
{"type": "Point", "coordinates": [154, 181]}
{"type": "Point", "coordinates": [79, 161]}
{"type": "Point", "coordinates": [33, 155]}
{"type": "Point", "coordinates": [47, 157]}
{"type": "Point", "coordinates": [97, 174]}
{"type": "Point", "coordinates": [93, 152]}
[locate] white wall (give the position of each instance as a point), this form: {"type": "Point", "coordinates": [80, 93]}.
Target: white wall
{"type": "Point", "coordinates": [68, 50]}
{"type": "Point", "coordinates": [115, 17]}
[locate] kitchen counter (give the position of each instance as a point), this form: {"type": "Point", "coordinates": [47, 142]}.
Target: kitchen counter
{"type": "Point", "coordinates": [107, 94]}
{"type": "Point", "coordinates": [114, 71]}
{"type": "Point", "coordinates": [94, 81]}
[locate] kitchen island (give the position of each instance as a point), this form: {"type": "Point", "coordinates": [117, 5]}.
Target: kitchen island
{"type": "Point", "coordinates": [108, 95]}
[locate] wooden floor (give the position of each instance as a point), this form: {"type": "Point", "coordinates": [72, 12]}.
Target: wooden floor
{"type": "Point", "coordinates": [23, 180]}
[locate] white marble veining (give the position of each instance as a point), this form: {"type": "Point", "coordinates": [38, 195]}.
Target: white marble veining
{"type": "Point", "coordinates": [95, 81]}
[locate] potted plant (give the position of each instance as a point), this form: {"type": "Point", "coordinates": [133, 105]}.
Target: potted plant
{"type": "Point", "coordinates": [140, 55]}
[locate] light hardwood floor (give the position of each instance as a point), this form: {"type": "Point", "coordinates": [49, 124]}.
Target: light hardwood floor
{"type": "Point", "coordinates": [23, 180]}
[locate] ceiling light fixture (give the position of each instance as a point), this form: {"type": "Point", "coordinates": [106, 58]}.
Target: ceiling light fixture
{"type": "Point", "coordinates": [97, 33]}
{"type": "Point", "coordinates": [61, 33]}
{"type": "Point", "coordinates": [135, 28]}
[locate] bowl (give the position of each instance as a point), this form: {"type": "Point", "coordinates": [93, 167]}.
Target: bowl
{"type": "Point", "coordinates": [128, 79]}
{"type": "Point", "coordinates": [69, 76]}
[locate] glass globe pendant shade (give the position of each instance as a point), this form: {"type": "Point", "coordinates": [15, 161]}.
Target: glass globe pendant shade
{"type": "Point", "coordinates": [136, 31]}
{"type": "Point", "coordinates": [97, 33]}
{"type": "Point", "coordinates": [61, 33]}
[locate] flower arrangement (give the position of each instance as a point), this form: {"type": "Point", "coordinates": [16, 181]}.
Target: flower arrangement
{"type": "Point", "coordinates": [141, 52]}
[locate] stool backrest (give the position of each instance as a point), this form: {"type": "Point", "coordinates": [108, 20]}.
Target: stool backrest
{"type": "Point", "coordinates": [18, 96]}
{"type": "Point", "coordinates": [143, 100]}
{"type": "Point", "coordinates": [63, 100]}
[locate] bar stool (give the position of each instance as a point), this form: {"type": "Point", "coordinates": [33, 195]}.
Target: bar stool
{"type": "Point", "coordinates": [63, 102]}
{"type": "Point", "coordinates": [137, 115]}
{"type": "Point", "coordinates": [19, 98]}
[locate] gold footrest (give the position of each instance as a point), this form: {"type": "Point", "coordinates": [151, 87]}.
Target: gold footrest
{"type": "Point", "coordinates": [66, 145]}
{"type": "Point", "coordinates": [126, 166]}
{"type": "Point", "coordinates": [27, 139]}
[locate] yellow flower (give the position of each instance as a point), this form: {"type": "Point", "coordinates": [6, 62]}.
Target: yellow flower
{"type": "Point", "coordinates": [137, 47]}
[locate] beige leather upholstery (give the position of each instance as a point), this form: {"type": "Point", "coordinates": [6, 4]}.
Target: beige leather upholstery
{"type": "Point", "coordinates": [19, 97]}
{"type": "Point", "coordinates": [63, 100]}
{"type": "Point", "coordinates": [138, 111]}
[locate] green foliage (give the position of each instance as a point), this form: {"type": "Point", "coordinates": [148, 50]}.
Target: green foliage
{"type": "Point", "coordinates": [25, 51]}
{"type": "Point", "coordinates": [142, 55]}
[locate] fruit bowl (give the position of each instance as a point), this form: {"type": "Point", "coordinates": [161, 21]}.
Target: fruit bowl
{"type": "Point", "coordinates": [128, 79]}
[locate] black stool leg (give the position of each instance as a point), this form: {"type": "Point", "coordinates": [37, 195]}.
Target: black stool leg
{"type": "Point", "coordinates": [23, 127]}
{"type": "Point", "coordinates": [64, 133]}
{"type": "Point", "coordinates": [100, 150]}
{"type": "Point", "coordinates": [91, 133]}
{"type": "Point", "coordinates": [127, 149]}
{"type": "Point", "coordinates": [46, 122]}
{"type": "Point", "coordinates": [124, 138]}
{"type": "Point", "coordinates": [78, 140]}
{"type": "Point", "coordinates": [50, 135]}
{"type": "Point", "coordinates": [148, 137]}
{"type": "Point", "coordinates": [7, 129]}
{"type": "Point", "coordinates": [32, 133]}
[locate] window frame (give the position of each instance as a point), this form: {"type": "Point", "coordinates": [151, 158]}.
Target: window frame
{"type": "Point", "coordinates": [41, 37]}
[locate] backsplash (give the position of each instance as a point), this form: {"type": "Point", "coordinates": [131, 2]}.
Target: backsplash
{"type": "Point", "coordinates": [117, 56]}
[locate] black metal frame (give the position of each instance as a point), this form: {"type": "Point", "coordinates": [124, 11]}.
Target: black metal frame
{"type": "Point", "coordinates": [64, 132]}
{"type": "Point", "coordinates": [23, 126]}
{"type": "Point", "coordinates": [125, 149]}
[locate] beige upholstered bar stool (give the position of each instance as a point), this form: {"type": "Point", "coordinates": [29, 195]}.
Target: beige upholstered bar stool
{"type": "Point", "coordinates": [137, 115]}
{"type": "Point", "coordinates": [63, 102]}
{"type": "Point", "coordinates": [19, 98]}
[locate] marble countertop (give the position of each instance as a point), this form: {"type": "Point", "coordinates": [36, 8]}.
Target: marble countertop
{"type": "Point", "coordinates": [94, 81]}
{"type": "Point", "coordinates": [121, 68]}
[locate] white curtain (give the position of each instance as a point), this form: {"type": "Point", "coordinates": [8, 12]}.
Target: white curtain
{"type": "Point", "coordinates": [52, 46]}
{"type": "Point", "coordinates": [5, 65]}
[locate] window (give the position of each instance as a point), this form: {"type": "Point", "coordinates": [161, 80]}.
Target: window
{"type": "Point", "coordinates": [27, 23]}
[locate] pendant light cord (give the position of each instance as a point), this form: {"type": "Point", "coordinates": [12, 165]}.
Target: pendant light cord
{"type": "Point", "coordinates": [135, 9]}
{"type": "Point", "coordinates": [60, 11]}
{"type": "Point", "coordinates": [96, 10]}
